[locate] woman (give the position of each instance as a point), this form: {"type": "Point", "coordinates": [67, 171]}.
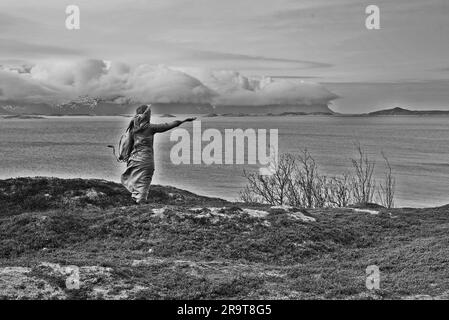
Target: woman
{"type": "Point", "coordinates": [140, 165]}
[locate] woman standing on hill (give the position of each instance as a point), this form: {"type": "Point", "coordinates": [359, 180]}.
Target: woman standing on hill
{"type": "Point", "coordinates": [140, 165]}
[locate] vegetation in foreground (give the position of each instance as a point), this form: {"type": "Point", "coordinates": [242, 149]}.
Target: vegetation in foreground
{"type": "Point", "coordinates": [297, 181]}
{"type": "Point", "coordinates": [181, 245]}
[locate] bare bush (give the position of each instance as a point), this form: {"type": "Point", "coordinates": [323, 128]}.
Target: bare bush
{"type": "Point", "coordinates": [306, 184]}
{"type": "Point", "coordinates": [340, 191]}
{"type": "Point", "coordinates": [387, 188]}
{"type": "Point", "coordinates": [272, 189]}
{"type": "Point", "coordinates": [297, 182]}
{"type": "Point", "coordinates": [248, 196]}
{"type": "Point", "coordinates": [363, 183]}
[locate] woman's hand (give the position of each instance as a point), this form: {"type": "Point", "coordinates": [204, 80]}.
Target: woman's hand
{"type": "Point", "coordinates": [189, 119]}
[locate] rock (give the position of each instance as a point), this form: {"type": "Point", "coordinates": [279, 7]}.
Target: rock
{"type": "Point", "coordinates": [147, 262]}
{"type": "Point", "coordinates": [256, 213]}
{"type": "Point", "coordinates": [198, 210]}
{"type": "Point", "coordinates": [279, 209]}
{"type": "Point", "coordinates": [367, 205]}
{"type": "Point", "coordinates": [92, 194]}
{"type": "Point", "coordinates": [365, 211]}
{"type": "Point", "coordinates": [159, 212]}
{"type": "Point", "coordinates": [266, 223]}
{"type": "Point", "coordinates": [229, 210]}
{"type": "Point", "coordinates": [301, 216]}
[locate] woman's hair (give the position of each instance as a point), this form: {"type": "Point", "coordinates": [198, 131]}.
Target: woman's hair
{"type": "Point", "coordinates": [142, 109]}
{"type": "Point", "coordinates": [139, 110]}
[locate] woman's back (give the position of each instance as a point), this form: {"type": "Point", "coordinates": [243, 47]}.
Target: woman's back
{"type": "Point", "coordinates": [143, 138]}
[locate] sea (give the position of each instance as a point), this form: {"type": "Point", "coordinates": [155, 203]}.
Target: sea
{"type": "Point", "coordinates": [76, 147]}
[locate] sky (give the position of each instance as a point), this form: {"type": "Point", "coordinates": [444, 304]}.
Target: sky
{"type": "Point", "coordinates": [317, 40]}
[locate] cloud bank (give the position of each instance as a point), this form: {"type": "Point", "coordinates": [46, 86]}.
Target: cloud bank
{"type": "Point", "coordinates": [235, 89]}
{"type": "Point", "coordinates": [63, 81]}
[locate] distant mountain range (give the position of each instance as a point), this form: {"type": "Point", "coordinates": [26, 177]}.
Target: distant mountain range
{"type": "Point", "coordinates": [275, 109]}
{"type": "Point", "coordinates": [90, 106]}
{"type": "Point", "coordinates": [81, 106]}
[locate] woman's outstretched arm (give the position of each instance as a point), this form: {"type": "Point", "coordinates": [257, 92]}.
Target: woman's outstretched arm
{"type": "Point", "coordinates": [167, 126]}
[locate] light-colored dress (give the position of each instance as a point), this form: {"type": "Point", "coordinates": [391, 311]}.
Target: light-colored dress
{"type": "Point", "coordinates": [140, 166]}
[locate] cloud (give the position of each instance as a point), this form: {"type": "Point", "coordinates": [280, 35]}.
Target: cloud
{"type": "Point", "coordinates": [279, 92]}
{"type": "Point", "coordinates": [22, 87]}
{"type": "Point", "coordinates": [235, 89]}
{"type": "Point", "coordinates": [164, 85]}
{"type": "Point", "coordinates": [62, 81]}
{"type": "Point", "coordinates": [77, 74]}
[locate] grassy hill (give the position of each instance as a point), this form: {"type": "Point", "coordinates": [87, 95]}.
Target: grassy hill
{"type": "Point", "coordinates": [181, 245]}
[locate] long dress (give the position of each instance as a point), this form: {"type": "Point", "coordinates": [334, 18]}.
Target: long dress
{"type": "Point", "coordinates": [140, 166]}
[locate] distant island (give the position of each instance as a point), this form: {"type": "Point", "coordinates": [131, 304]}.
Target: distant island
{"type": "Point", "coordinates": [167, 115]}
{"type": "Point", "coordinates": [240, 114]}
{"type": "Point", "coordinates": [22, 116]}
{"type": "Point", "coordinates": [405, 112]}
{"type": "Point", "coordinates": [210, 115]}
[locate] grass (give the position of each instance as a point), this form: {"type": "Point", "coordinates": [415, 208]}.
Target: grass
{"type": "Point", "coordinates": [181, 254]}
{"type": "Point", "coordinates": [25, 194]}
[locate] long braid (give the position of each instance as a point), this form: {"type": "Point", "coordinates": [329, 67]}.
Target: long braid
{"type": "Point", "coordinates": [130, 126]}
